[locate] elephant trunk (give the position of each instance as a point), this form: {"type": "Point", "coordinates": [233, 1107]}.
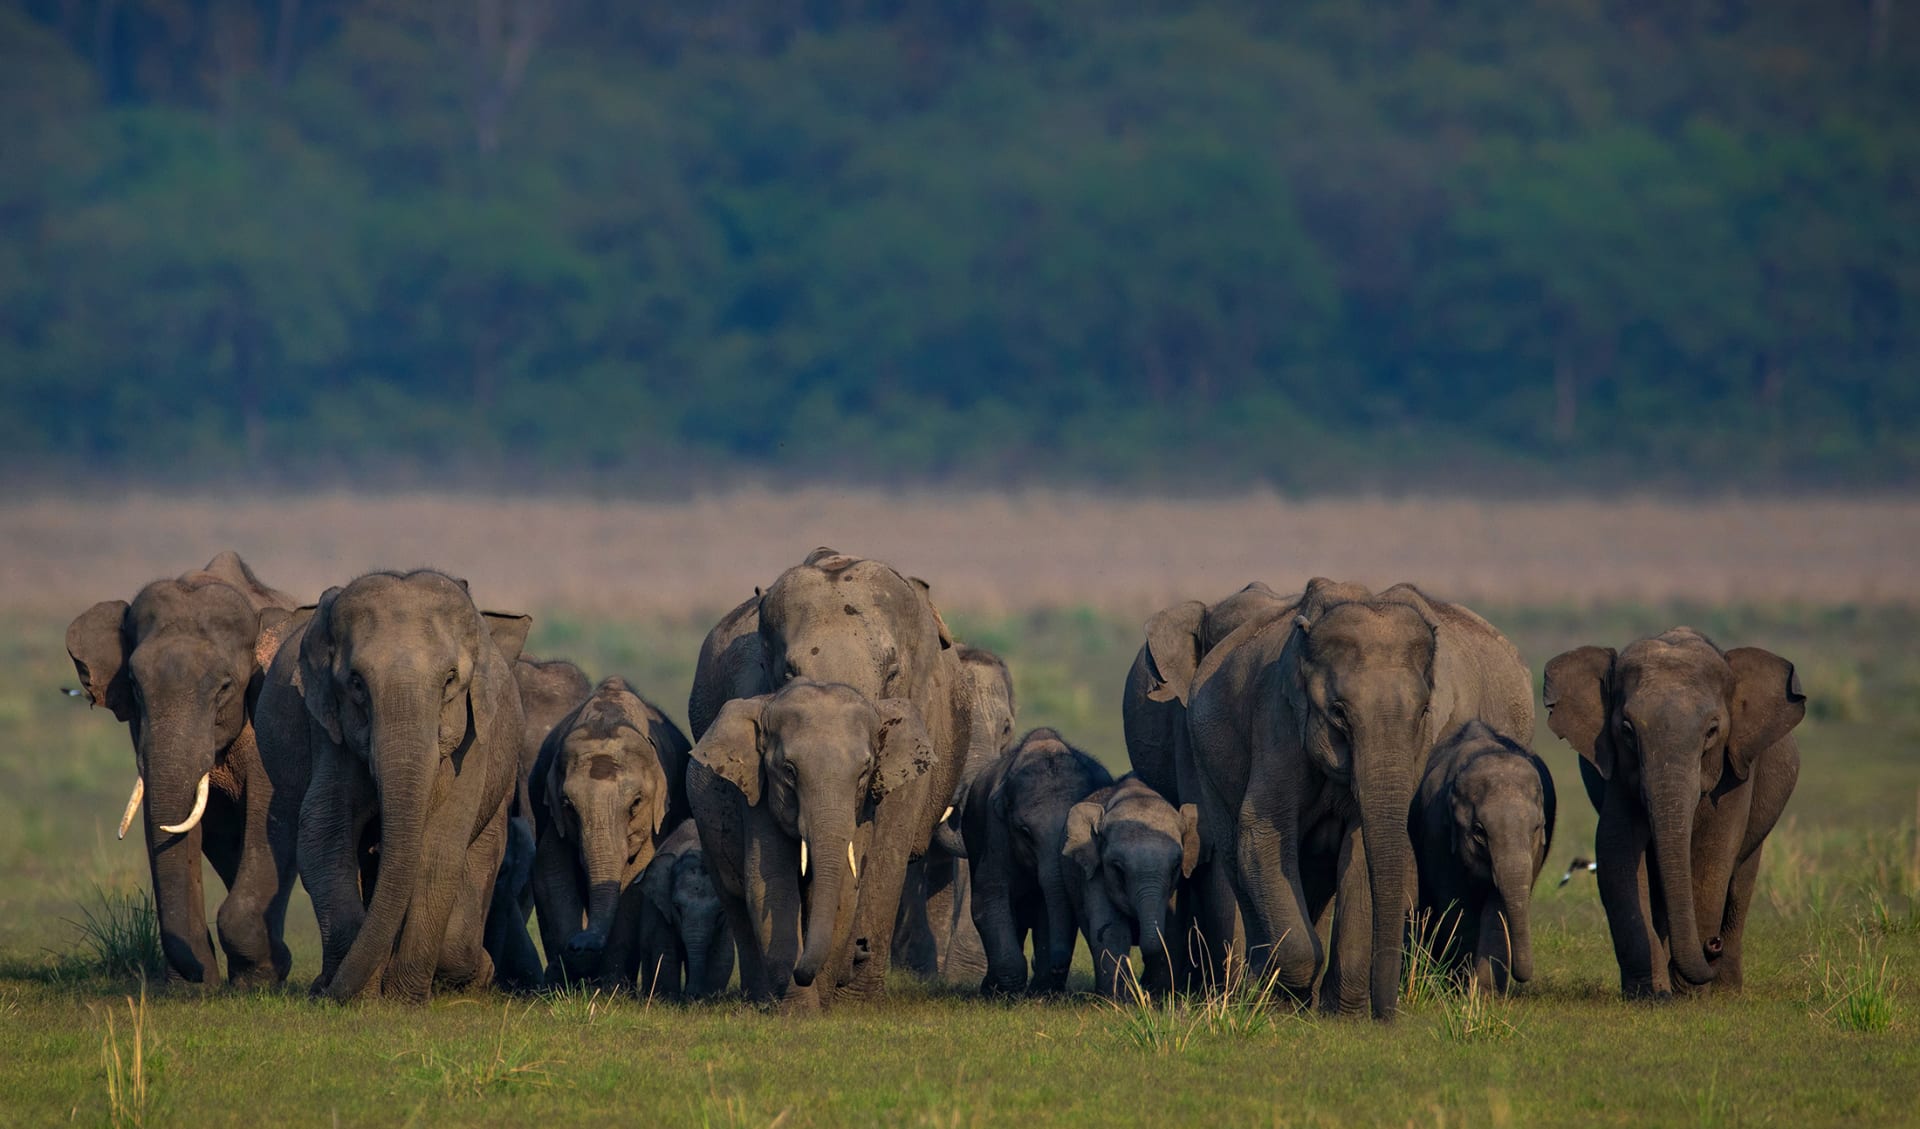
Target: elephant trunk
{"type": "Point", "coordinates": [405, 751]}
{"type": "Point", "coordinates": [1060, 924]}
{"type": "Point", "coordinates": [1673, 853]}
{"type": "Point", "coordinates": [603, 850]}
{"type": "Point", "coordinates": [1150, 912]}
{"type": "Point", "coordinates": [1513, 879]}
{"type": "Point", "coordinates": [177, 757]}
{"type": "Point", "coordinates": [831, 845]}
{"type": "Point", "coordinates": [697, 937]}
{"type": "Point", "coordinates": [1384, 783]}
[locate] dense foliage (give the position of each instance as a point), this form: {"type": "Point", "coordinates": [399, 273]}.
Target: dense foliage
{"type": "Point", "coordinates": [1152, 240]}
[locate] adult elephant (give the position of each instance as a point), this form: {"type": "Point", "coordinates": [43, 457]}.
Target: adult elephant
{"type": "Point", "coordinates": [1693, 751]}
{"type": "Point", "coordinates": [181, 666]}
{"type": "Point", "coordinates": [860, 623]}
{"type": "Point", "coordinates": [399, 708]}
{"type": "Point", "coordinates": [609, 786]}
{"type": "Point", "coordinates": [791, 793]}
{"type": "Point", "coordinates": [1308, 734]}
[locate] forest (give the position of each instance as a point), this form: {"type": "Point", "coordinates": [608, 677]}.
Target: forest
{"type": "Point", "coordinates": [1141, 242]}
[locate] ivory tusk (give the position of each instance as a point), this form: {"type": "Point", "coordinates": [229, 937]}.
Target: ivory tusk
{"type": "Point", "coordinates": [199, 809]}
{"type": "Point", "coordinates": [803, 858]}
{"type": "Point", "coordinates": [946, 815]}
{"type": "Point", "coordinates": [853, 867]}
{"type": "Point", "coordinates": [133, 804]}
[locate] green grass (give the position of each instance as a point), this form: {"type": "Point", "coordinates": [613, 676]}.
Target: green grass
{"type": "Point", "coordinates": [1824, 1033]}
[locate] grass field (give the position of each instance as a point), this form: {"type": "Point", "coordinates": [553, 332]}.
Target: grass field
{"type": "Point", "coordinates": [1835, 944]}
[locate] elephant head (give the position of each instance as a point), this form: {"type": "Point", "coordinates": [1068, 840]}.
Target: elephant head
{"type": "Point", "coordinates": [1361, 695]}
{"type": "Point", "coordinates": [1139, 848]}
{"type": "Point", "coordinates": [836, 618]}
{"type": "Point", "coordinates": [607, 795]}
{"type": "Point", "coordinates": [402, 672]}
{"type": "Point", "coordinates": [176, 665]}
{"type": "Point", "coordinates": [1670, 721]}
{"type": "Point", "coordinates": [815, 758]}
{"type": "Point", "coordinates": [1501, 818]}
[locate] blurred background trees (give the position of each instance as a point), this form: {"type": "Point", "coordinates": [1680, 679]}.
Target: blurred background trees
{"type": "Point", "coordinates": [1154, 242]}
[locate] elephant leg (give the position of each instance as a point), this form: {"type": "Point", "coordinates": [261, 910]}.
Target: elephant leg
{"type": "Point", "coordinates": [334, 818]}
{"type": "Point", "coordinates": [465, 962]}
{"type": "Point", "coordinates": [746, 944]}
{"type": "Point", "coordinates": [914, 945]}
{"type": "Point", "coordinates": [626, 939]}
{"type": "Point", "coordinates": [1212, 949]}
{"type": "Point", "coordinates": [255, 951]}
{"type": "Point", "coordinates": [1043, 981]}
{"type": "Point", "coordinates": [994, 915]}
{"type": "Point", "coordinates": [1733, 925]}
{"type": "Point", "coordinates": [878, 905]}
{"type": "Point", "coordinates": [1492, 950]}
{"type": "Point", "coordinates": [944, 873]}
{"type": "Point", "coordinates": [719, 963]}
{"type": "Point", "coordinates": [1621, 842]}
{"type": "Point", "coordinates": [557, 898]}
{"type": "Point", "coordinates": [1345, 988]}
{"type": "Point", "coordinates": [1280, 937]}
{"type": "Point", "coordinates": [965, 960]}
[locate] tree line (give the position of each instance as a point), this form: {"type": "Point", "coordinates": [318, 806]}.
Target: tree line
{"type": "Point", "coordinates": [1152, 240]}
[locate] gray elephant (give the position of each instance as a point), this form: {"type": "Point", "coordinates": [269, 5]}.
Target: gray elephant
{"type": "Point", "coordinates": [860, 623]}
{"type": "Point", "coordinates": [1482, 824]}
{"type": "Point", "coordinates": [683, 945]}
{"type": "Point", "coordinates": [1153, 707]}
{"type": "Point", "coordinates": [396, 708]}
{"type": "Point", "coordinates": [550, 689]}
{"type": "Point", "coordinates": [1014, 820]}
{"type": "Point", "coordinates": [609, 785]}
{"type": "Point", "coordinates": [1134, 849]}
{"type": "Point", "coordinates": [935, 937]}
{"type": "Point", "coordinates": [1693, 755]}
{"type": "Point", "coordinates": [789, 792]}
{"type": "Point", "coordinates": [181, 665]}
{"type": "Point", "coordinates": [1308, 734]}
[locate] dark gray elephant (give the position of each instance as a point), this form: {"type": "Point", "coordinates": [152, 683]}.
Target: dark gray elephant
{"type": "Point", "coordinates": [1014, 820]}
{"type": "Point", "coordinates": [1308, 734]}
{"type": "Point", "coordinates": [843, 619]}
{"type": "Point", "coordinates": [935, 936]}
{"type": "Point", "coordinates": [683, 945]}
{"type": "Point", "coordinates": [790, 792]}
{"type": "Point", "coordinates": [609, 785]}
{"type": "Point", "coordinates": [181, 666]}
{"type": "Point", "coordinates": [1694, 753]}
{"type": "Point", "coordinates": [396, 708]}
{"type": "Point", "coordinates": [550, 689]}
{"type": "Point", "coordinates": [1482, 824]}
{"type": "Point", "coordinates": [1153, 707]}
{"type": "Point", "coordinates": [1134, 849]}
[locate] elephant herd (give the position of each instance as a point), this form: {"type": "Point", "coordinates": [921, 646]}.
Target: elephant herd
{"type": "Point", "coordinates": [1317, 780]}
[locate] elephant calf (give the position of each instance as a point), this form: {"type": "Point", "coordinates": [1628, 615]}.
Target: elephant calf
{"type": "Point", "coordinates": [1014, 822]}
{"type": "Point", "coordinates": [1134, 850]}
{"type": "Point", "coordinates": [683, 945]}
{"type": "Point", "coordinates": [1482, 824]}
{"type": "Point", "coordinates": [608, 786]}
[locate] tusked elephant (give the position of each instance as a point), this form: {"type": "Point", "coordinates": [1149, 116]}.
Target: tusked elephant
{"type": "Point", "coordinates": [1133, 850]}
{"type": "Point", "coordinates": [395, 704]}
{"type": "Point", "coordinates": [609, 785]}
{"type": "Point", "coordinates": [682, 944]}
{"type": "Point", "coordinates": [1689, 753]}
{"type": "Point", "coordinates": [181, 666]}
{"type": "Point", "coordinates": [1014, 820]}
{"type": "Point", "coordinates": [790, 792]}
{"type": "Point", "coordinates": [1308, 734]}
{"type": "Point", "coordinates": [1482, 825]}
{"type": "Point", "coordinates": [860, 623]}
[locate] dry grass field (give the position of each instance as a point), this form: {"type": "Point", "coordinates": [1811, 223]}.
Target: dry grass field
{"type": "Point", "coordinates": [986, 553]}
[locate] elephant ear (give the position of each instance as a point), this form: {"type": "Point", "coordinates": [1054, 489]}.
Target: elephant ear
{"type": "Point", "coordinates": [657, 889]}
{"type": "Point", "coordinates": [902, 750]}
{"type": "Point", "coordinates": [1767, 704]}
{"type": "Point", "coordinates": [730, 749]}
{"type": "Point", "coordinates": [939, 622]}
{"type": "Point", "coordinates": [658, 793]}
{"type": "Point", "coordinates": [554, 786]}
{"type": "Point", "coordinates": [509, 631]}
{"type": "Point", "coordinates": [1173, 647]}
{"type": "Point", "coordinates": [275, 625]}
{"type": "Point", "coordinates": [1189, 839]}
{"type": "Point", "coordinates": [317, 658]}
{"type": "Point", "coordinates": [1578, 695]}
{"type": "Point", "coordinates": [97, 644]}
{"type": "Point", "coordinates": [1082, 844]}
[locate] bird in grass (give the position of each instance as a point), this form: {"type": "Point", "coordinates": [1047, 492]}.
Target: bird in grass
{"type": "Point", "coordinates": [1578, 864]}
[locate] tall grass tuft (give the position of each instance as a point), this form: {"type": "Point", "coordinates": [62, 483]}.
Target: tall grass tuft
{"type": "Point", "coordinates": [1474, 1016]}
{"type": "Point", "coordinates": [1424, 976]}
{"type": "Point", "coordinates": [504, 1069]}
{"type": "Point", "coordinates": [1244, 1007]}
{"type": "Point", "coordinates": [1854, 993]}
{"type": "Point", "coordinates": [120, 936]}
{"type": "Point", "coordinates": [126, 1071]}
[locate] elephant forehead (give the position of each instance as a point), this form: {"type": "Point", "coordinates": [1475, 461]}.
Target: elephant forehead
{"type": "Point", "coordinates": [604, 758]}
{"type": "Point", "coordinates": [820, 705]}
{"type": "Point", "coordinates": [1496, 776]}
{"type": "Point", "coordinates": [1140, 838]}
{"type": "Point", "coordinates": [1680, 669]}
{"type": "Point", "coordinates": [213, 610]}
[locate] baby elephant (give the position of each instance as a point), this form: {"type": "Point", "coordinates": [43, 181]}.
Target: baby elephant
{"type": "Point", "coordinates": [683, 944]}
{"type": "Point", "coordinates": [1481, 826]}
{"type": "Point", "coordinates": [1135, 850]}
{"type": "Point", "coordinates": [1014, 821]}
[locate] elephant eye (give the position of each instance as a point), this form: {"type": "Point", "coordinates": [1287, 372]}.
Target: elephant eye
{"type": "Point", "coordinates": [357, 686]}
{"type": "Point", "coordinates": [1337, 714]}
{"type": "Point", "coordinates": [1713, 731]}
{"type": "Point", "coordinates": [1479, 830]}
{"type": "Point", "coordinates": [452, 674]}
{"type": "Point", "coordinates": [792, 772]}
